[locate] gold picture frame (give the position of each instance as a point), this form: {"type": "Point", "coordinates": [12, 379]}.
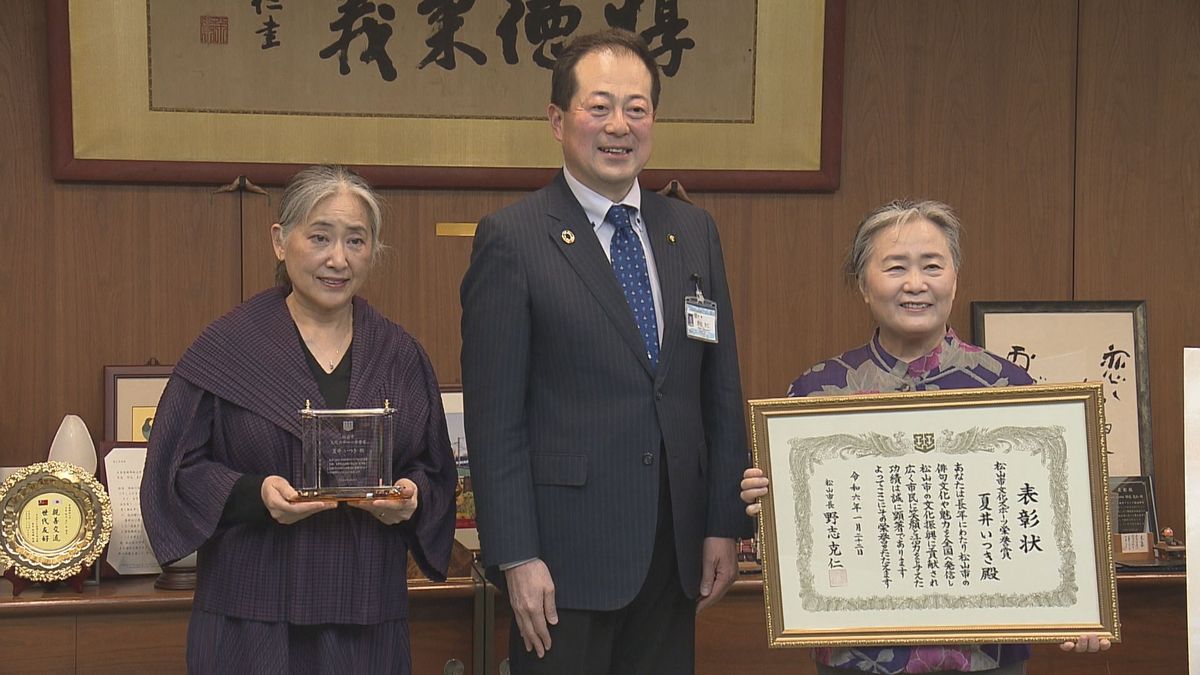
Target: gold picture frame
{"type": "Point", "coordinates": [105, 126]}
{"type": "Point", "coordinates": [938, 517]}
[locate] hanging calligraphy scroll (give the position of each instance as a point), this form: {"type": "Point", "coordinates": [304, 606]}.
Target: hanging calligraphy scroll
{"type": "Point", "coordinates": [440, 93]}
{"type": "Point", "coordinates": [940, 517]}
{"type": "Point", "coordinates": [1068, 341]}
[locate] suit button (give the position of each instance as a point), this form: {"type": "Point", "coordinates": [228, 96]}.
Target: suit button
{"type": "Point", "coordinates": [648, 458]}
{"type": "Point", "coordinates": [658, 396]}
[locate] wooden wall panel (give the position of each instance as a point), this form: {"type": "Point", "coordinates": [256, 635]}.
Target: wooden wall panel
{"type": "Point", "coordinates": [1138, 193]}
{"type": "Point", "coordinates": [96, 274]}
{"type": "Point", "coordinates": [1062, 130]}
{"type": "Point", "coordinates": [965, 103]}
{"type": "Point", "coordinates": [970, 103]}
{"type": "Point", "coordinates": [416, 282]}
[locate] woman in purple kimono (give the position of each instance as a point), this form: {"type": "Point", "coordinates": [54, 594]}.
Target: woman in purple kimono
{"type": "Point", "coordinates": [299, 587]}
{"type": "Point", "coordinates": [905, 261]}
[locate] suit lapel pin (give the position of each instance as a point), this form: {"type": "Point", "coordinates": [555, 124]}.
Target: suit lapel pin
{"type": "Point", "coordinates": [568, 237]}
{"type": "Point", "coordinates": [670, 238]}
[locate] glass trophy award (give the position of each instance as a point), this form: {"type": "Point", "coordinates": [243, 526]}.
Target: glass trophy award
{"type": "Point", "coordinates": [347, 454]}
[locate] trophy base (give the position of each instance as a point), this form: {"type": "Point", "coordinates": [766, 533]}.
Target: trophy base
{"type": "Point", "coordinates": [350, 494]}
{"type": "Point", "coordinates": [20, 583]}
{"type": "Point", "coordinates": [176, 578]}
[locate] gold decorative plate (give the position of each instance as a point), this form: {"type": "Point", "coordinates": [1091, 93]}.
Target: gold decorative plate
{"type": "Point", "coordinates": [55, 519]}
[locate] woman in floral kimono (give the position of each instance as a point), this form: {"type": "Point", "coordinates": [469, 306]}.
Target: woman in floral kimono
{"type": "Point", "coordinates": [905, 261]}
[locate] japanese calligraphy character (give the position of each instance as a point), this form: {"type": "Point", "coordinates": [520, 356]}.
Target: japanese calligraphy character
{"type": "Point", "coordinates": [666, 29]}
{"type": "Point", "coordinates": [1113, 362]}
{"type": "Point", "coordinates": [1018, 353]}
{"type": "Point", "coordinates": [271, 6]}
{"type": "Point", "coordinates": [1030, 542]}
{"type": "Point", "coordinates": [270, 40]}
{"type": "Point", "coordinates": [446, 15]}
{"type": "Point", "coordinates": [378, 33]}
{"type": "Point", "coordinates": [1027, 494]}
{"type": "Point", "coordinates": [1028, 519]}
{"type": "Point", "coordinates": [623, 17]}
{"type": "Point", "coordinates": [547, 23]}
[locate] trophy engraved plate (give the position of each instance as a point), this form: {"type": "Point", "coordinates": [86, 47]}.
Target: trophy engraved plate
{"type": "Point", "coordinates": [347, 454]}
{"type": "Point", "coordinates": [55, 520]}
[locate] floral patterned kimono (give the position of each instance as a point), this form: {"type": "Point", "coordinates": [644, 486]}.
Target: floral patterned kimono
{"type": "Point", "coordinates": [869, 369]}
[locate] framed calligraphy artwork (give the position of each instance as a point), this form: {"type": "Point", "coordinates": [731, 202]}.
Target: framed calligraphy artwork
{"type": "Point", "coordinates": [1083, 341]}
{"type": "Point", "coordinates": [939, 517]}
{"type": "Point", "coordinates": [436, 94]}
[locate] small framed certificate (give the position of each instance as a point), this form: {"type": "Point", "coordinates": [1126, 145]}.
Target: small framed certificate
{"type": "Point", "coordinates": [120, 471]}
{"type": "Point", "coordinates": [938, 517]}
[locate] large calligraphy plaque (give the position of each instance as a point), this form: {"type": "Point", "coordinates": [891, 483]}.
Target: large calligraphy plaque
{"type": "Point", "coordinates": [437, 93]}
{"type": "Point", "coordinates": [943, 517]}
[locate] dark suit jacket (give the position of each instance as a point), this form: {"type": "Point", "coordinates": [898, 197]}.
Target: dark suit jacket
{"type": "Point", "coordinates": [564, 418]}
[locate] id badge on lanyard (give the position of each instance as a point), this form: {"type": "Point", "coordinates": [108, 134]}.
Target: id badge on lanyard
{"type": "Point", "coordinates": [700, 315]}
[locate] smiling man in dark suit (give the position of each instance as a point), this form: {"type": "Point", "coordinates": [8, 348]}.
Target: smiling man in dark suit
{"type": "Point", "coordinates": [603, 405]}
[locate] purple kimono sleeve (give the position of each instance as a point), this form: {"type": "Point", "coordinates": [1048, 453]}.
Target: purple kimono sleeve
{"type": "Point", "coordinates": [183, 490]}
{"type": "Point", "coordinates": [431, 467]}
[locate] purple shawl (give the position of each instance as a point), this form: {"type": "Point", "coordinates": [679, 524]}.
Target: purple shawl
{"type": "Point", "coordinates": [230, 409]}
{"type": "Point", "coordinates": [953, 364]}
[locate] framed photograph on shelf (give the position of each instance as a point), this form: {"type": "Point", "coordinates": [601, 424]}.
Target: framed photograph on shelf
{"type": "Point", "coordinates": [1083, 341]}
{"type": "Point", "coordinates": [947, 517]}
{"type": "Point", "coordinates": [131, 396]}
{"type": "Point", "coordinates": [464, 496]}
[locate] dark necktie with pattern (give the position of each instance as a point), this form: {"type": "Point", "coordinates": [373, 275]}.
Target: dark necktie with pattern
{"type": "Point", "coordinates": [629, 264]}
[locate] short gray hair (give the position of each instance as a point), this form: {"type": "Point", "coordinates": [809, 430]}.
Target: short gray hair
{"type": "Point", "coordinates": [307, 188]}
{"type": "Point", "coordinates": [899, 212]}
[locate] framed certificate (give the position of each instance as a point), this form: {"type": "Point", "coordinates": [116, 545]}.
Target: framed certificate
{"type": "Point", "coordinates": [120, 471]}
{"type": "Point", "coordinates": [938, 517]}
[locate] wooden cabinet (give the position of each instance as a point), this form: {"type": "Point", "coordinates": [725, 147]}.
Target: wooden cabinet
{"type": "Point", "coordinates": [119, 626]}
{"type": "Point", "coordinates": [126, 625]}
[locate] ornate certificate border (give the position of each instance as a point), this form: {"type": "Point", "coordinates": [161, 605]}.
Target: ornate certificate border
{"type": "Point", "coordinates": [942, 517]}
{"type": "Point", "coordinates": [103, 128]}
